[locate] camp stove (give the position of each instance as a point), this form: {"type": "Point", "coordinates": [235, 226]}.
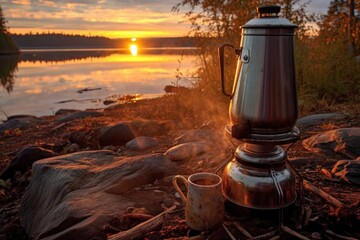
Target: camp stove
{"type": "Point", "coordinates": [263, 112]}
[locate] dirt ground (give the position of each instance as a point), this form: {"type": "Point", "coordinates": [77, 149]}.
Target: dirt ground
{"type": "Point", "coordinates": [324, 222]}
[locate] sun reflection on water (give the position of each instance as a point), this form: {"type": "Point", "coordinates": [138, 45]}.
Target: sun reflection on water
{"type": "Point", "coordinates": [134, 49]}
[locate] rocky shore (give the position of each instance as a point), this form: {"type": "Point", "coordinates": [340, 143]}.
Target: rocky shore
{"type": "Point", "coordinates": [91, 174]}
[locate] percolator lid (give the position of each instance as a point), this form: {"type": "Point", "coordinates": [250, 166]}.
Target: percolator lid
{"type": "Point", "coordinates": [268, 18]}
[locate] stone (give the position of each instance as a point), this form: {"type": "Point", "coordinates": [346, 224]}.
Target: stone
{"type": "Point", "coordinates": [78, 115]}
{"type": "Point", "coordinates": [24, 159]}
{"type": "Point", "coordinates": [185, 151]}
{"type": "Point", "coordinates": [115, 135]}
{"type": "Point", "coordinates": [65, 111]}
{"type": "Point", "coordinates": [348, 170]}
{"type": "Point", "coordinates": [195, 136]}
{"type": "Point", "coordinates": [21, 116]}
{"type": "Point", "coordinates": [141, 143]}
{"type": "Point", "coordinates": [21, 123]}
{"type": "Point", "coordinates": [73, 196]}
{"type": "Point", "coordinates": [344, 141]}
{"type": "Point", "coordinates": [318, 118]}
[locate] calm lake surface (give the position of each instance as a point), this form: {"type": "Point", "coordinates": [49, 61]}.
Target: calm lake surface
{"type": "Point", "coordinates": [40, 82]}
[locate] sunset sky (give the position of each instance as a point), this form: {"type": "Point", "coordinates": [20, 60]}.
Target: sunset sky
{"type": "Point", "coordinates": [109, 18]}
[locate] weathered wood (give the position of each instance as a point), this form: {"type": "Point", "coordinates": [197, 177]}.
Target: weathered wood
{"type": "Point", "coordinates": [137, 216]}
{"type": "Point", "coordinates": [198, 237]}
{"type": "Point", "coordinates": [275, 237]}
{"type": "Point", "coordinates": [292, 232]}
{"type": "Point", "coordinates": [265, 236]}
{"type": "Point", "coordinates": [229, 233]}
{"type": "Point", "coordinates": [308, 212]}
{"type": "Point", "coordinates": [242, 230]}
{"type": "Point", "coordinates": [142, 228]}
{"type": "Point", "coordinates": [309, 186]}
{"type": "Point", "coordinates": [326, 172]}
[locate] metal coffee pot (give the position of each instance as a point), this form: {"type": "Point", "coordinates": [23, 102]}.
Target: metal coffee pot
{"type": "Point", "coordinates": [263, 102]}
{"type": "Point", "coordinates": [263, 112]}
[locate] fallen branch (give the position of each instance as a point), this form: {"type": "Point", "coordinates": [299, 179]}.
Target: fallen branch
{"type": "Point", "coordinates": [242, 230]}
{"type": "Point", "coordinates": [340, 236]}
{"type": "Point", "coordinates": [309, 186]}
{"type": "Point", "coordinates": [228, 232]}
{"type": "Point", "coordinates": [308, 212]}
{"type": "Point", "coordinates": [142, 228]}
{"type": "Point", "coordinates": [275, 237]}
{"type": "Point", "coordinates": [265, 236]}
{"type": "Point", "coordinates": [292, 232]}
{"type": "Point", "coordinates": [326, 172]}
{"type": "Point", "coordinates": [137, 216]}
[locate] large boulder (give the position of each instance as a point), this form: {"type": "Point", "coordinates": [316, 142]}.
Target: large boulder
{"type": "Point", "coordinates": [24, 159]}
{"type": "Point", "coordinates": [344, 141]}
{"type": "Point", "coordinates": [73, 196]}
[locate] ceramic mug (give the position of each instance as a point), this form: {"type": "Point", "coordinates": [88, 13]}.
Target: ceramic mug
{"type": "Point", "coordinates": [204, 202]}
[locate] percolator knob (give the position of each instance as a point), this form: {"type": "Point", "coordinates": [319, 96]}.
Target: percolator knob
{"type": "Point", "coordinates": [268, 11]}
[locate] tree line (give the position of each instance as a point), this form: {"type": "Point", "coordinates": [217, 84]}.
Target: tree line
{"type": "Point", "coordinates": [59, 40]}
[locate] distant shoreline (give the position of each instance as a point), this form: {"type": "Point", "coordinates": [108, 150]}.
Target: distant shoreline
{"type": "Point", "coordinates": [96, 48]}
{"type": "Point", "coordinates": [53, 40]}
{"type": "Point", "coordinates": [10, 53]}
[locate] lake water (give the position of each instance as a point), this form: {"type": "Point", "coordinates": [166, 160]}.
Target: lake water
{"type": "Point", "coordinates": [40, 82]}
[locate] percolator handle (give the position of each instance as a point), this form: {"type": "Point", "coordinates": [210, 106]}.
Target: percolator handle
{"type": "Point", "coordinates": [221, 60]}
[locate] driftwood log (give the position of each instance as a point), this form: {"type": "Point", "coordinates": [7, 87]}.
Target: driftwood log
{"type": "Point", "coordinates": [242, 230]}
{"type": "Point", "coordinates": [309, 186]}
{"type": "Point", "coordinates": [292, 232]}
{"type": "Point", "coordinates": [142, 228]}
{"type": "Point", "coordinates": [229, 233]}
{"type": "Point", "coordinates": [265, 236]}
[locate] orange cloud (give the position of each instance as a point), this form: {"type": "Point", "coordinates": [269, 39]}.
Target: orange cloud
{"type": "Point", "coordinates": [21, 2]}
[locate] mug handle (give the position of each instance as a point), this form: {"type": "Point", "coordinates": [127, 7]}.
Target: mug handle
{"type": "Point", "coordinates": [177, 188]}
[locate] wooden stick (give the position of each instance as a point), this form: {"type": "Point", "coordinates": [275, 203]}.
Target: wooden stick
{"type": "Point", "coordinates": [308, 212]}
{"type": "Point", "coordinates": [326, 173]}
{"type": "Point", "coordinates": [142, 228]}
{"type": "Point", "coordinates": [228, 232]}
{"type": "Point", "coordinates": [309, 186]}
{"type": "Point", "coordinates": [138, 216]}
{"type": "Point", "coordinates": [340, 236]}
{"type": "Point", "coordinates": [275, 237]}
{"type": "Point", "coordinates": [265, 236]}
{"type": "Point", "coordinates": [292, 232]}
{"type": "Point", "coordinates": [242, 230]}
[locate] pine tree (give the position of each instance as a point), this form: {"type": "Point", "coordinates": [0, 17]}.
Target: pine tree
{"type": "Point", "coordinates": [7, 45]}
{"type": "Point", "coordinates": [3, 27]}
